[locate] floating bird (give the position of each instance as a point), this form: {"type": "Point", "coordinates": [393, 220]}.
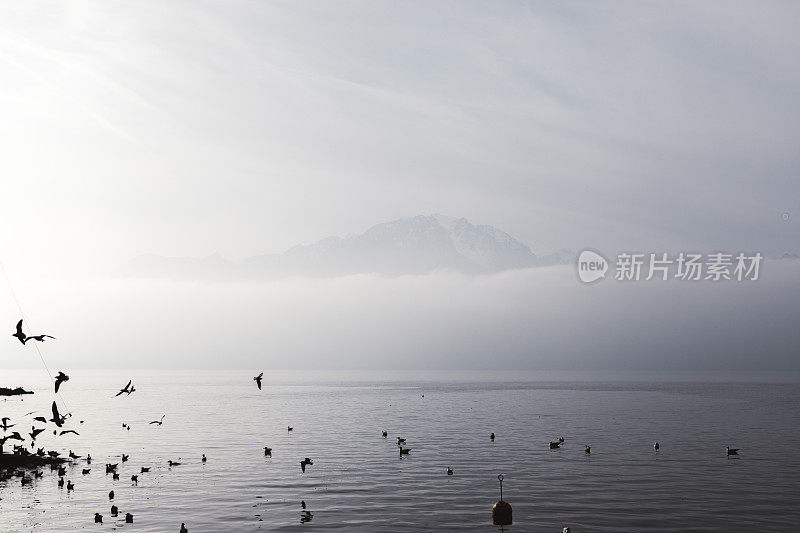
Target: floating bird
{"type": "Point", "coordinates": [303, 504]}
{"type": "Point", "coordinates": [305, 462]}
{"type": "Point", "coordinates": [70, 486]}
{"type": "Point", "coordinates": [124, 457]}
{"type": "Point", "coordinates": [731, 451]}
{"type": "Point", "coordinates": [40, 452]}
{"type": "Point", "coordinates": [111, 495]}
{"type": "Point", "coordinates": [57, 418]}
{"type": "Point", "coordinates": [6, 425]}
{"type": "Point", "coordinates": [111, 467]}
{"type": "Point", "coordinates": [656, 446]}
{"type": "Point", "coordinates": [68, 431]}
{"type": "Point", "coordinates": [62, 471]}
{"type": "Point", "coordinates": [561, 440]}
{"type": "Point", "coordinates": [289, 428]}
{"type": "Point", "coordinates": [183, 528]}
{"type": "Point", "coordinates": [126, 389]}
{"type": "Point", "coordinates": [258, 379]}
{"type": "Point", "coordinates": [19, 334]}
{"type": "Point", "coordinates": [115, 476]}
{"type": "Point", "coordinates": [135, 479]}
{"type": "Point", "coordinates": [98, 518]}
{"type": "Point", "coordinates": [86, 471]}
{"type": "Point", "coordinates": [449, 471]}
{"type": "Point", "coordinates": [128, 518]}
{"type": "Point", "coordinates": [404, 451]}
{"type": "Point", "coordinates": [60, 378]}
{"type": "Point", "coordinates": [61, 483]}
{"type": "Point", "coordinates": [554, 445]}
{"type": "Point", "coordinates": [491, 437]}
{"type": "Point", "coordinates": [159, 422]}
{"type": "Point", "coordinates": [400, 441]}
{"type": "Point", "coordinates": [384, 434]}
{"type": "Point", "coordinates": [587, 449]}
{"type": "Point", "coordinates": [114, 509]}
{"type": "Point", "coordinates": [173, 463]}
{"type": "Point", "coordinates": [88, 459]}
{"type": "Point", "coordinates": [267, 451]}
{"type": "Point", "coordinates": [204, 458]}
{"type": "Point", "coordinates": [145, 469]}
{"type": "Point", "coordinates": [53, 454]}
{"type": "Point", "coordinates": [73, 456]}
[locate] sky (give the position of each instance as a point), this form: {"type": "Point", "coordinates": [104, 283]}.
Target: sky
{"type": "Point", "coordinates": [243, 128]}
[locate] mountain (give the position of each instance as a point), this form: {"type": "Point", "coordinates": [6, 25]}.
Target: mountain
{"type": "Point", "coordinates": [416, 245]}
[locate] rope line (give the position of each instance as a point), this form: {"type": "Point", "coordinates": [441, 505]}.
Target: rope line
{"type": "Point", "coordinates": [35, 344]}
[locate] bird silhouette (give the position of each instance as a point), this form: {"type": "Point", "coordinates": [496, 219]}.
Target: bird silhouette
{"type": "Point", "coordinates": [61, 483]}
{"type": "Point", "coordinates": [72, 455]}
{"type": "Point", "coordinates": [257, 379]}
{"type": "Point", "coordinates": [183, 528]}
{"type": "Point", "coordinates": [86, 471]}
{"type": "Point", "coordinates": [124, 457]}
{"type": "Point", "coordinates": [111, 495]}
{"type": "Point", "coordinates": [159, 422]}
{"type": "Point", "coordinates": [66, 431]}
{"type": "Point", "coordinates": [384, 434]}
{"type": "Point", "coordinates": [57, 418]}
{"type": "Point", "coordinates": [135, 479]}
{"type": "Point", "coordinates": [19, 334]}
{"type": "Point", "coordinates": [39, 338]}
{"type": "Point", "coordinates": [35, 432]}
{"type": "Point", "coordinates": [400, 441]}
{"type": "Point", "coordinates": [731, 451]}
{"type": "Point", "coordinates": [305, 462]}
{"type": "Point", "coordinates": [126, 389]}
{"type": "Point", "coordinates": [173, 463]}
{"type": "Point", "coordinates": [656, 446]}
{"type": "Point", "coordinates": [70, 486]}
{"type": "Point", "coordinates": [6, 425]}
{"type": "Point", "coordinates": [61, 378]}
{"type": "Point", "coordinates": [128, 518]}
{"type": "Point", "coordinates": [145, 469]}
{"type": "Point", "coordinates": [267, 451]}
{"type": "Point", "coordinates": [449, 471]}
{"type": "Point", "coordinates": [491, 437]}
{"type": "Point", "coordinates": [587, 449]}
{"type": "Point", "coordinates": [289, 428]}
{"type": "Point", "coordinates": [114, 508]}
{"type": "Point", "coordinates": [40, 419]}
{"type": "Point", "coordinates": [204, 459]}
{"type": "Point", "coordinates": [98, 518]}
{"type": "Point", "coordinates": [404, 451]}
{"type": "Point", "coordinates": [554, 445]}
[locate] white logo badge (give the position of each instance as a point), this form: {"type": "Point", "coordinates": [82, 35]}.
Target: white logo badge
{"type": "Point", "coordinates": [591, 266]}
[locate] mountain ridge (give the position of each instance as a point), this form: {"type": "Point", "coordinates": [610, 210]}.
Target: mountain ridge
{"type": "Point", "coordinates": [416, 245]}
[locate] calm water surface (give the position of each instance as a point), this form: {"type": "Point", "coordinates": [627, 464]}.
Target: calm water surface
{"type": "Point", "coordinates": [358, 481]}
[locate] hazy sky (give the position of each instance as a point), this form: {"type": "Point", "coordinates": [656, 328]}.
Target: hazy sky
{"type": "Point", "coordinates": [188, 128]}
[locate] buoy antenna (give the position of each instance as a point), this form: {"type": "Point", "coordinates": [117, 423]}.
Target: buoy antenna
{"type": "Point", "coordinates": [500, 479]}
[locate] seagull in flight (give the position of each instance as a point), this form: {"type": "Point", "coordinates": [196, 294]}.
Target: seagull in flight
{"type": "Point", "coordinates": [57, 418]}
{"type": "Point", "coordinates": [19, 333]}
{"type": "Point", "coordinates": [68, 431]}
{"type": "Point", "coordinates": [35, 432]}
{"type": "Point", "coordinates": [159, 422]}
{"type": "Point", "coordinates": [61, 378]}
{"type": "Point", "coordinates": [39, 338]}
{"type": "Point", "coordinates": [257, 379]}
{"type": "Point", "coordinates": [127, 389]}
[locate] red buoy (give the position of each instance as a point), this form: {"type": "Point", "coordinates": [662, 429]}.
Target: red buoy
{"type": "Point", "coordinates": [501, 512]}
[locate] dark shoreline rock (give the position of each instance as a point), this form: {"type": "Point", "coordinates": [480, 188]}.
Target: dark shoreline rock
{"type": "Point", "coordinates": [13, 392]}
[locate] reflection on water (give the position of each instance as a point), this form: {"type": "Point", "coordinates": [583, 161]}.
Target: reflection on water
{"type": "Point", "coordinates": [360, 482]}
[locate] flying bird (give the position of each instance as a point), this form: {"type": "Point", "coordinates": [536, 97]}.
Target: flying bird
{"type": "Point", "coordinates": [61, 378]}
{"type": "Point", "coordinates": [68, 431]}
{"type": "Point", "coordinates": [35, 432]}
{"type": "Point", "coordinates": [19, 333]}
{"type": "Point", "coordinates": [40, 419]}
{"type": "Point", "coordinates": [125, 389]}
{"type": "Point", "coordinates": [159, 422]}
{"type": "Point", "coordinates": [305, 462]}
{"type": "Point", "coordinates": [40, 338]}
{"type": "Point", "coordinates": [57, 418]}
{"type": "Point", "coordinates": [257, 379]}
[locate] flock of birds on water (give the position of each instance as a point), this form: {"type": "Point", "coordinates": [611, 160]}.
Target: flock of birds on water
{"type": "Point", "coordinates": [59, 420]}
